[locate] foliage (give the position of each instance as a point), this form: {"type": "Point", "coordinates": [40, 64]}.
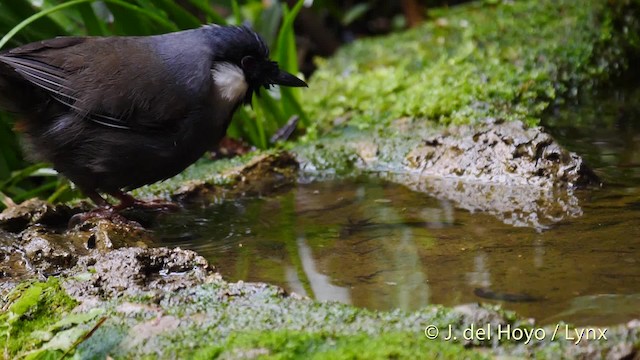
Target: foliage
{"type": "Point", "coordinates": [24, 22]}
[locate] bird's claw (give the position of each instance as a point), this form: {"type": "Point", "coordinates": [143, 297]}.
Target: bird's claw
{"type": "Point", "coordinates": [107, 213]}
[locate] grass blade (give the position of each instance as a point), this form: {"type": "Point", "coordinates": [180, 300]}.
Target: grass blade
{"type": "Point", "coordinates": [167, 25]}
{"type": "Point", "coordinates": [171, 10]}
{"type": "Point", "coordinates": [91, 22]}
{"type": "Point", "coordinates": [287, 56]}
{"type": "Point", "coordinates": [237, 14]}
{"type": "Point", "coordinates": [205, 7]}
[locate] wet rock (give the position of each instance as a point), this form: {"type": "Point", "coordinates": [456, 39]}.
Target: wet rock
{"type": "Point", "coordinates": [477, 314]}
{"type": "Point", "coordinates": [42, 251]}
{"type": "Point", "coordinates": [480, 316]}
{"type": "Point", "coordinates": [105, 235]}
{"type": "Point", "coordinates": [517, 205]}
{"type": "Point", "coordinates": [520, 175]}
{"type": "Point", "coordinates": [12, 263]}
{"type": "Point", "coordinates": [39, 242]}
{"type": "Point", "coordinates": [263, 174]}
{"type": "Point", "coordinates": [497, 152]}
{"type": "Point", "coordinates": [621, 351]}
{"type": "Point", "coordinates": [136, 271]}
{"type": "Point", "coordinates": [267, 173]}
{"type": "Point", "coordinates": [48, 253]}
{"type": "Point", "coordinates": [36, 211]}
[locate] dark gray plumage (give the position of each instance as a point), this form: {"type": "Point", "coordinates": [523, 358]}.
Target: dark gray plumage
{"type": "Point", "coordinates": [116, 113]}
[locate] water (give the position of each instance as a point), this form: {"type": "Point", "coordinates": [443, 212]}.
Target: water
{"type": "Point", "coordinates": [376, 244]}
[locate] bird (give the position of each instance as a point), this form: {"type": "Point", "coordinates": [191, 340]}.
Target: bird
{"type": "Point", "coordinates": [116, 113]}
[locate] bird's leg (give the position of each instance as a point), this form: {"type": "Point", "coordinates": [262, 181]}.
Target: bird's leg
{"type": "Point", "coordinates": [104, 210]}
{"type": "Point", "coordinates": [110, 212]}
{"type": "Point", "coordinates": [127, 201]}
{"type": "Point", "coordinates": [97, 199]}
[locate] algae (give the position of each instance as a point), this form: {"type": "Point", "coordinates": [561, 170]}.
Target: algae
{"type": "Point", "coordinates": [243, 320]}
{"type": "Point", "coordinates": [223, 176]}
{"type": "Point", "coordinates": [30, 315]}
{"type": "Point", "coordinates": [308, 345]}
{"type": "Point", "coordinates": [508, 61]}
{"type": "Point", "coordinates": [479, 61]}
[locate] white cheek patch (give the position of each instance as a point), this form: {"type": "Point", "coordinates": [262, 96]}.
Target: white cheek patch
{"type": "Point", "coordinates": [230, 81]}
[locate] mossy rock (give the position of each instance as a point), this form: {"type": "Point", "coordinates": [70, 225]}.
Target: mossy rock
{"type": "Point", "coordinates": [505, 60]}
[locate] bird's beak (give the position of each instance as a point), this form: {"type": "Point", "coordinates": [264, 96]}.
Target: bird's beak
{"type": "Point", "coordinates": [286, 79]}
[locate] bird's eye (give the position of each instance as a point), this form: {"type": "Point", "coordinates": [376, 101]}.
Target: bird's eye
{"type": "Point", "coordinates": [249, 63]}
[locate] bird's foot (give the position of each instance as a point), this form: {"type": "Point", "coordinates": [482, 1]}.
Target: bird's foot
{"type": "Point", "coordinates": [107, 213]}
{"type": "Point", "coordinates": [113, 213]}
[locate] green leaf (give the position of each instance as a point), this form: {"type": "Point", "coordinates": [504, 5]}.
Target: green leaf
{"type": "Point", "coordinates": [268, 22]}
{"type": "Point", "coordinates": [21, 175]}
{"type": "Point", "coordinates": [181, 17]}
{"type": "Point", "coordinates": [131, 17]}
{"type": "Point", "coordinates": [237, 14]}
{"type": "Point", "coordinates": [355, 13]}
{"type": "Point", "coordinates": [93, 25]}
{"type": "Point", "coordinates": [205, 7]}
{"type": "Point", "coordinates": [22, 9]}
{"type": "Point", "coordinates": [286, 44]}
{"type": "Point", "coordinates": [287, 56]}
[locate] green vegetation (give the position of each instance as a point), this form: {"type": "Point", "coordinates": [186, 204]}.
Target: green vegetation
{"type": "Point", "coordinates": [225, 320]}
{"type": "Point", "coordinates": [509, 60]}
{"type": "Point", "coordinates": [23, 22]}
{"type": "Point", "coordinates": [34, 313]}
{"type": "Point", "coordinates": [297, 345]}
{"type": "Point", "coordinates": [233, 319]}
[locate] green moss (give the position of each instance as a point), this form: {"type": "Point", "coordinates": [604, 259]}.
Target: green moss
{"type": "Point", "coordinates": [212, 172]}
{"type": "Point", "coordinates": [510, 60]}
{"type": "Point", "coordinates": [506, 61]}
{"type": "Point", "coordinates": [297, 345]}
{"type": "Point", "coordinates": [226, 320]}
{"type": "Point", "coordinates": [33, 307]}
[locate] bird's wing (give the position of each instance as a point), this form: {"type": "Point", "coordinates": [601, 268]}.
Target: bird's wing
{"type": "Point", "coordinates": [102, 80]}
{"type": "Point", "coordinates": [54, 81]}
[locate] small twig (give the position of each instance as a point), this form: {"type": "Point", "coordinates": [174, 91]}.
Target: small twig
{"type": "Point", "coordinates": [414, 12]}
{"type": "Point", "coordinates": [285, 132]}
{"type": "Point", "coordinates": [84, 337]}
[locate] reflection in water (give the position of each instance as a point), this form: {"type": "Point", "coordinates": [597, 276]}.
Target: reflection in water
{"type": "Point", "coordinates": [320, 284]}
{"type": "Point", "coordinates": [379, 245]}
{"type": "Point", "coordinates": [383, 246]}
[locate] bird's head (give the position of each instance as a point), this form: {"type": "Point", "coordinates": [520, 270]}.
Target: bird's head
{"type": "Point", "coordinates": [242, 66]}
